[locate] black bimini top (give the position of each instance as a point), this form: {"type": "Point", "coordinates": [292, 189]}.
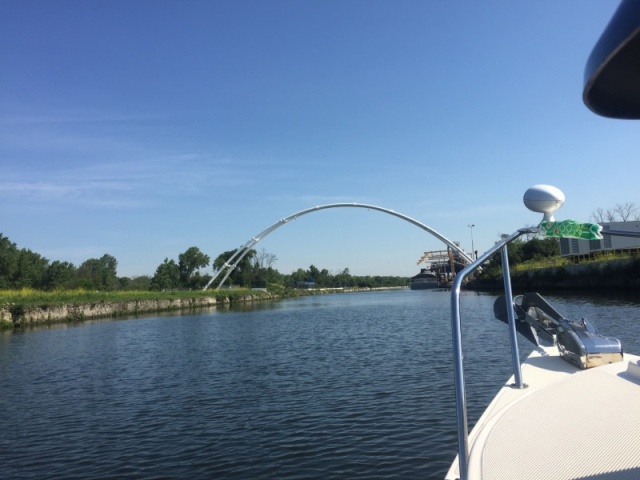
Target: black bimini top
{"type": "Point", "coordinates": [612, 75]}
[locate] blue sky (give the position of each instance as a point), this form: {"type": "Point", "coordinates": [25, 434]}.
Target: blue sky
{"type": "Point", "coordinates": [139, 129]}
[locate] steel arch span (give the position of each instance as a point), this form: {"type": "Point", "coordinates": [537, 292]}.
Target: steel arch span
{"type": "Point", "coordinates": [240, 253]}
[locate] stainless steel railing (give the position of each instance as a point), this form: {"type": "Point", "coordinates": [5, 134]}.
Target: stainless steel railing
{"type": "Point", "coordinates": [456, 334]}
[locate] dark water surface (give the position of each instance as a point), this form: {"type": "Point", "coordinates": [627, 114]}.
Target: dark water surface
{"type": "Point", "coordinates": [336, 386]}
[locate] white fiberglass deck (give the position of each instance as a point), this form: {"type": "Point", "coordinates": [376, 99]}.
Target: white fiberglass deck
{"type": "Point", "coordinates": [568, 424]}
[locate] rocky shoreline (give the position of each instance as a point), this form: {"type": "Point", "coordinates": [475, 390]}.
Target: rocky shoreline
{"type": "Point", "coordinates": [21, 316]}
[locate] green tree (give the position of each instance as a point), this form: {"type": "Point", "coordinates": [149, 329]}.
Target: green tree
{"type": "Point", "coordinates": [167, 276]}
{"type": "Point", "coordinates": [263, 272]}
{"type": "Point", "coordinates": [142, 282]}
{"type": "Point", "coordinates": [313, 274]}
{"type": "Point", "coordinates": [296, 279]}
{"type": "Point", "coordinates": [189, 263]}
{"type": "Point", "coordinates": [108, 272]}
{"type": "Point", "coordinates": [344, 279]}
{"type": "Point", "coordinates": [30, 270]}
{"type": "Point", "coordinates": [538, 248]}
{"type": "Point", "coordinates": [87, 275]}
{"type": "Point", "coordinates": [243, 274]}
{"type": "Point", "coordinates": [522, 251]}
{"type": "Point", "coordinates": [515, 254]}
{"type": "Point", "coordinates": [273, 276]}
{"type": "Point", "coordinates": [8, 261]}
{"type": "Point", "coordinates": [198, 281]}
{"type": "Point", "coordinates": [98, 273]}
{"type": "Point", "coordinates": [324, 279]}
{"type": "Point", "coordinates": [58, 275]}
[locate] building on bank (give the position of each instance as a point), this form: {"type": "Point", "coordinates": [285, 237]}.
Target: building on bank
{"type": "Point", "coordinates": [573, 247]}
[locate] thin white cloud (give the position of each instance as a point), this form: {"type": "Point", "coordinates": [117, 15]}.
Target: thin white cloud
{"type": "Point", "coordinates": [56, 157]}
{"type": "Point", "coordinates": [126, 184]}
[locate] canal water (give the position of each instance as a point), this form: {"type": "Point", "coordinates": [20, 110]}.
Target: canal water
{"type": "Point", "coordinates": [341, 386]}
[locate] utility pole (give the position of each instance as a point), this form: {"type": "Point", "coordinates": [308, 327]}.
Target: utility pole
{"type": "Point", "coordinates": [473, 250]}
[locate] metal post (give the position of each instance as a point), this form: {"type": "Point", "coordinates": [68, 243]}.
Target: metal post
{"type": "Point", "coordinates": [456, 334]}
{"type": "Point", "coordinates": [458, 374]}
{"type": "Point", "coordinates": [508, 295]}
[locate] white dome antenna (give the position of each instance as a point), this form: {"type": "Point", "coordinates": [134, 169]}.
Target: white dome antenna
{"type": "Point", "coordinates": [544, 199]}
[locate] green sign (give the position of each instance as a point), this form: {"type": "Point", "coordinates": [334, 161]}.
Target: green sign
{"type": "Point", "coordinates": [571, 229]}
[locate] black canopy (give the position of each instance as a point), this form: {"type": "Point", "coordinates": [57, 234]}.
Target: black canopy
{"type": "Point", "coordinates": [612, 75]}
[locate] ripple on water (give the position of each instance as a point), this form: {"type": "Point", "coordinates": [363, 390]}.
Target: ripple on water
{"type": "Point", "coordinates": [341, 386]}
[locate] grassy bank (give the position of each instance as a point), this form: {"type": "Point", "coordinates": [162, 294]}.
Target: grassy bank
{"type": "Point", "coordinates": [28, 307]}
{"type": "Point", "coordinates": [28, 297]}
{"type": "Point", "coordinates": [620, 274]}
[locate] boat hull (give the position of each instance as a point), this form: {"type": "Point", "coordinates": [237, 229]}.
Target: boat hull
{"type": "Point", "coordinates": [573, 411]}
{"type": "Point", "coordinates": [424, 280]}
{"type": "Point", "coordinates": [424, 285]}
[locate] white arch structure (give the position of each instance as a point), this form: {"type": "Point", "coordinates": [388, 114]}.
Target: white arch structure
{"type": "Point", "coordinates": [242, 251]}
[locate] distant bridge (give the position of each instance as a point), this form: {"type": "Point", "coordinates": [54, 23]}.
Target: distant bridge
{"type": "Point", "coordinates": [240, 253]}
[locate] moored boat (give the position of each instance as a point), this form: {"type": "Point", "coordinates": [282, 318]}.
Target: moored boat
{"type": "Point", "coordinates": [425, 280]}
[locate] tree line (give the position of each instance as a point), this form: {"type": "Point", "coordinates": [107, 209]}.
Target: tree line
{"type": "Point", "coordinates": [256, 270]}
{"type": "Point", "coordinates": [520, 251]}
{"type": "Point", "coordinates": [23, 268]}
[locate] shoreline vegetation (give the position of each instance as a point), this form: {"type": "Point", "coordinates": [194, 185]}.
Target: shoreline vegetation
{"type": "Point", "coordinates": [536, 266]}
{"type": "Point", "coordinates": [616, 275]}
{"type": "Point", "coordinates": [28, 308]}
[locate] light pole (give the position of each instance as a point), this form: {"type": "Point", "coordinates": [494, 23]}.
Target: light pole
{"type": "Point", "coordinates": [473, 250]}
